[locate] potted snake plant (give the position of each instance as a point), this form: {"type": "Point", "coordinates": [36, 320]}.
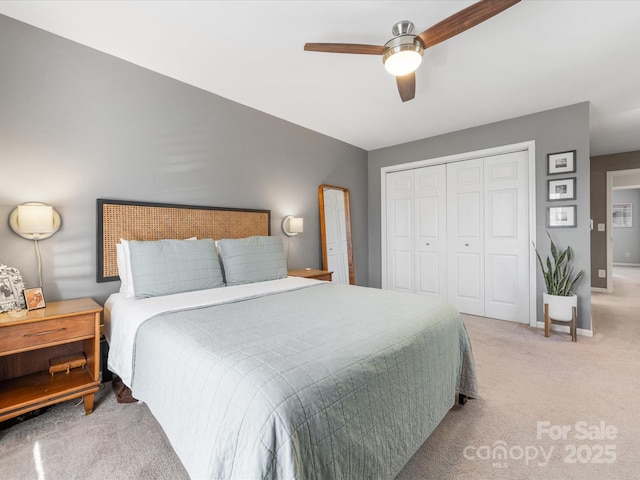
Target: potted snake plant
{"type": "Point", "coordinates": [560, 279]}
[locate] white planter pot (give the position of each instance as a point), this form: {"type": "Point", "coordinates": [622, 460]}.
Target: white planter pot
{"type": "Point", "coordinates": [560, 308]}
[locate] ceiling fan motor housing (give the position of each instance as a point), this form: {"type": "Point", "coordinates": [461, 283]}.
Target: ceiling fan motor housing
{"type": "Point", "coordinates": [402, 43]}
{"type": "Point", "coordinates": [403, 27]}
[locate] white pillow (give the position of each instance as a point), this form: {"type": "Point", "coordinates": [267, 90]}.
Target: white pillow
{"type": "Point", "coordinates": [124, 268]}
{"type": "Point", "coordinates": [123, 257]}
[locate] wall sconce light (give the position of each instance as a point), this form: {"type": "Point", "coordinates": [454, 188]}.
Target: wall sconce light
{"type": "Point", "coordinates": [292, 226]}
{"type": "Point", "coordinates": [35, 221]}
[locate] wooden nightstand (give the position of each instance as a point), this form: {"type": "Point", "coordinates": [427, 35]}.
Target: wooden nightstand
{"type": "Point", "coordinates": [312, 273]}
{"type": "Point", "coordinates": [28, 343]}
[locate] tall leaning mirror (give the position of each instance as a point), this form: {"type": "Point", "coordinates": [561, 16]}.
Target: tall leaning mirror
{"type": "Point", "coordinates": [335, 232]}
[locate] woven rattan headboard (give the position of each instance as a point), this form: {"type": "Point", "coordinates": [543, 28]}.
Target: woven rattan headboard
{"type": "Point", "coordinates": [155, 221]}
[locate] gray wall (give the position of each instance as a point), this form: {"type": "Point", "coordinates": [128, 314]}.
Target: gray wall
{"type": "Point", "coordinates": [77, 125]}
{"type": "Point", "coordinates": [600, 165]}
{"type": "Point", "coordinates": [554, 131]}
{"type": "Point", "coordinates": [626, 241]}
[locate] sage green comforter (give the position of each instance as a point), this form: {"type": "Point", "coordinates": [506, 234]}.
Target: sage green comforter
{"type": "Point", "coordinates": [325, 382]}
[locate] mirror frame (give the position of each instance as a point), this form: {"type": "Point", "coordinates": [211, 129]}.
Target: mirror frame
{"type": "Point", "coordinates": [323, 233]}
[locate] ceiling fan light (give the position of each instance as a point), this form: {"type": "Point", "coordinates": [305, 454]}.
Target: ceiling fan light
{"type": "Point", "coordinates": [403, 63]}
{"type": "Point", "coordinates": [403, 55]}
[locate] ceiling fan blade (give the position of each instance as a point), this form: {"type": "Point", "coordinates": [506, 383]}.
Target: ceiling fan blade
{"type": "Point", "coordinates": [463, 20]}
{"type": "Point", "coordinates": [407, 86]}
{"type": "Point", "coordinates": [345, 48]}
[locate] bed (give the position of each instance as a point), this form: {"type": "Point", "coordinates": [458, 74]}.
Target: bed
{"type": "Point", "coordinates": [254, 374]}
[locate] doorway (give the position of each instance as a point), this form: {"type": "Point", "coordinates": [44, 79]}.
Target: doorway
{"type": "Point", "coordinates": [619, 180]}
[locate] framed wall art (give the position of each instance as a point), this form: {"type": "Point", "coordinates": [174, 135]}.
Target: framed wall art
{"type": "Point", "coordinates": [563, 162]}
{"type": "Point", "coordinates": [622, 215]}
{"type": "Point", "coordinates": [564, 216]}
{"type": "Point", "coordinates": [561, 189]}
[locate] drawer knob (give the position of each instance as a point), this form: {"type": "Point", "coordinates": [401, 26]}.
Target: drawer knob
{"type": "Point", "coordinates": [46, 332]}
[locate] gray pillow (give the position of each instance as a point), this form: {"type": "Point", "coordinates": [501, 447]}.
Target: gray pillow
{"type": "Point", "coordinates": [165, 267]}
{"type": "Point", "coordinates": [252, 259]}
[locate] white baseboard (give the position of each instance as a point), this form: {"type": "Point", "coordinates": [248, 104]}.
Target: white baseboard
{"type": "Point", "coordinates": [626, 264]}
{"type": "Point", "coordinates": [583, 332]}
{"type": "Point", "coordinates": [565, 329]}
{"type": "Point", "coordinates": [599, 289]}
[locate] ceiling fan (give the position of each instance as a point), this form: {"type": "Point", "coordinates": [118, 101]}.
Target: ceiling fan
{"type": "Point", "coordinates": [403, 53]}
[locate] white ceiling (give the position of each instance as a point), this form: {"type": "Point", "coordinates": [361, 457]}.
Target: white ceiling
{"type": "Point", "coordinates": [535, 56]}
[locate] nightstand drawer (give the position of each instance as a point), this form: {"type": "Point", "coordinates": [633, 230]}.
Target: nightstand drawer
{"type": "Point", "coordinates": [26, 336]}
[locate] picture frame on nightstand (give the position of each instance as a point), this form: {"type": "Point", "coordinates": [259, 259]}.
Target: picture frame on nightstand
{"type": "Point", "coordinates": [11, 287]}
{"type": "Point", "coordinates": [34, 298]}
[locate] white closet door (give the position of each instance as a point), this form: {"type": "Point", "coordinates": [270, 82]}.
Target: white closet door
{"type": "Point", "coordinates": [465, 235]}
{"type": "Point", "coordinates": [460, 231]}
{"type": "Point", "coordinates": [506, 206]}
{"type": "Point", "coordinates": [430, 186]}
{"type": "Point", "coordinates": [400, 230]}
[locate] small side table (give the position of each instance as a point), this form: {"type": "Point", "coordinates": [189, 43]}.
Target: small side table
{"type": "Point", "coordinates": [311, 273]}
{"type": "Point", "coordinates": [26, 346]}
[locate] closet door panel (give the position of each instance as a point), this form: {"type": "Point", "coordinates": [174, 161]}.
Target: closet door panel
{"type": "Point", "coordinates": [500, 269]}
{"type": "Point", "coordinates": [430, 227]}
{"type": "Point", "coordinates": [502, 223]}
{"type": "Point", "coordinates": [507, 237]}
{"type": "Point", "coordinates": [400, 231]}
{"type": "Point", "coordinates": [401, 279]}
{"type": "Point", "coordinates": [468, 217]}
{"type": "Point", "coordinates": [468, 288]}
{"type": "Point", "coordinates": [465, 236]}
{"type": "Point", "coordinates": [429, 266]}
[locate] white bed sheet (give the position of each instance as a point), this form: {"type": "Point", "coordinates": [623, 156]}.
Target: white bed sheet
{"type": "Point", "coordinates": [123, 315]}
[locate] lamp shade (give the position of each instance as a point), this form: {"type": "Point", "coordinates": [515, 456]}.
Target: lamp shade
{"type": "Point", "coordinates": [292, 225]}
{"type": "Point", "coordinates": [35, 218]}
{"type": "Point", "coordinates": [296, 225]}
{"type": "Point", "coordinates": [34, 221]}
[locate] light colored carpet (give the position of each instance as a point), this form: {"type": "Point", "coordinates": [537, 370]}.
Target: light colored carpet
{"type": "Point", "coordinates": [525, 379]}
{"type": "Point", "coordinates": [116, 442]}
